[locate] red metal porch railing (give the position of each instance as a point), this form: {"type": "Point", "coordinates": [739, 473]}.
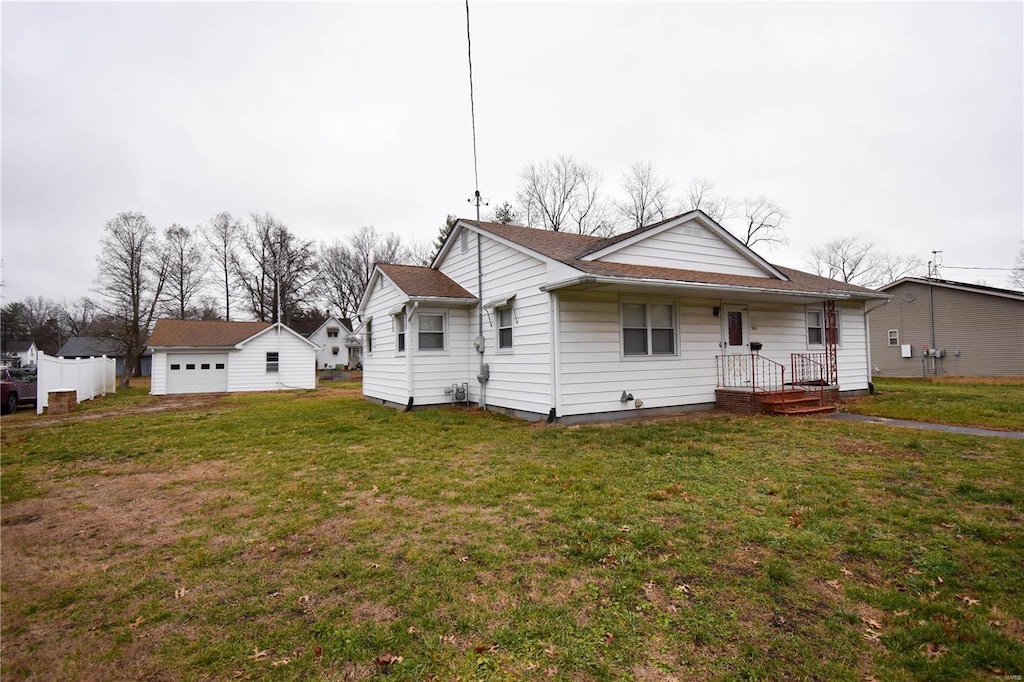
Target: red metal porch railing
{"type": "Point", "coordinates": [808, 369]}
{"type": "Point", "coordinates": [752, 371]}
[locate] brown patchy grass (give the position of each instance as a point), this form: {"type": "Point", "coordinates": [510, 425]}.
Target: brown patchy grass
{"type": "Point", "coordinates": [211, 542]}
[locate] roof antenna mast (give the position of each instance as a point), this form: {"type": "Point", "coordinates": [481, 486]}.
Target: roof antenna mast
{"type": "Point", "coordinates": [476, 199]}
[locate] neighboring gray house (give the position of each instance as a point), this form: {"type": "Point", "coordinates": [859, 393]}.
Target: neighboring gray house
{"type": "Point", "coordinates": [21, 354]}
{"type": "Point", "coordinates": [97, 346]}
{"type": "Point", "coordinates": [938, 327]}
{"type": "Point", "coordinates": [541, 324]}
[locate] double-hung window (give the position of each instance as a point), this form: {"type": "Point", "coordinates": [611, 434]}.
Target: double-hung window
{"type": "Point", "coordinates": [504, 315]}
{"type": "Point", "coordinates": [648, 329]}
{"type": "Point", "coordinates": [400, 332]}
{"type": "Point", "coordinates": [369, 336]}
{"type": "Point", "coordinates": [272, 362]}
{"type": "Point", "coordinates": [894, 337]}
{"type": "Point", "coordinates": [431, 331]}
{"type": "Point", "coordinates": [816, 330]}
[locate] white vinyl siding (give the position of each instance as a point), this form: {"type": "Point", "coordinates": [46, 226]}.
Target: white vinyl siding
{"type": "Point", "coordinates": [296, 365]}
{"type": "Point", "coordinates": [594, 373]}
{"type": "Point", "coordinates": [689, 246]}
{"type": "Point", "coordinates": [520, 380]}
{"type": "Point", "coordinates": [384, 374]}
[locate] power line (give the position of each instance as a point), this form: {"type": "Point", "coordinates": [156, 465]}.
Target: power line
{"type": "Point", "coordinates": [973, 267]}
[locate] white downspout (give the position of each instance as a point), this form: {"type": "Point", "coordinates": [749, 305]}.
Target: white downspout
{"type": "Point", "coordinates": [556, 355]}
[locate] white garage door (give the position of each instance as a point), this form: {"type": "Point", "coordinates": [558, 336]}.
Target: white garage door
{"type": "Point", "coordinates": [197, 372]}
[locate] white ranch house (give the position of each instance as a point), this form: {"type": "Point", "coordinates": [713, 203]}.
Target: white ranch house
{"type": "Point", "coordinates": [191, 356]}
{"type": "Point", "coordinates": [673, 316]}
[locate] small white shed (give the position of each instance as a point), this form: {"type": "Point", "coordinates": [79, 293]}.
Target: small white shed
{"type": "Point", "coordinates": [192, 356]}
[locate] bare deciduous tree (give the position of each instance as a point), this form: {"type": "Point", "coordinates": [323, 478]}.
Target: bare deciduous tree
{"type": "Point", "coordinates": [848, 259]}
{"type": "Point", "coordinates": [130, 281]}
{"type": "Point", "coordinates": [890, 267]}
{"type": "Point", "coordinates": [648, 196]}
{"type": "Point", "coordinates": [187, 268]}
{"type": "Point", "coordinates": [762, 224]}
{"type": "Point", "coordinates": [562, 194]}
{"type": "Point", "coordinates": [1017, 274]}
{"type": "Point", "coordinates": [222, 236]}
{"type": "Point", "coordinates": [701, 195]}
{"type": "Point", "coordinates": [274, 269]}
{"type": "Point", "coordinates": [345, 269]}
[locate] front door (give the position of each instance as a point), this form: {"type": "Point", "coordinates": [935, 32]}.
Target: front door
{"type": "Point", "coordinates": [735, 346]}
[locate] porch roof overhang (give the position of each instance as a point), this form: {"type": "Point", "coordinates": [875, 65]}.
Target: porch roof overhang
{"type": "Point", "coordinates": [639, 286]}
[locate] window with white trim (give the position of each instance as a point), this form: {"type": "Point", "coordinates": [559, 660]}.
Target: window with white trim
{"type": "Point", "coordinates": [648, 329]}
{"type": "Point", "coordinates": [504, 318]}
{"type": "Point", "coordinates": [816, 327]}
{"type": "Point", "coordinates": [368, 331]}
{"type": "Point", "coordinates": [272, 361]}
{"type": "Point", "coordinates": [894, 337]}
{"type": "Point", "coordinates": [431, 331]}
{"type": "Point", "coordinates": [332, 332]}
{"type": "Point", "coordinates": [400, 332]}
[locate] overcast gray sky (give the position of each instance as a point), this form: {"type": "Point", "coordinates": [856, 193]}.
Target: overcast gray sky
{"type": "Point", "coordinates": [901, 123]}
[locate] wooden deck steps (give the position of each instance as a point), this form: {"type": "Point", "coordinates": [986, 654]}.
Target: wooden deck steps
{"type": "Point", "coordinates": [794, 401]}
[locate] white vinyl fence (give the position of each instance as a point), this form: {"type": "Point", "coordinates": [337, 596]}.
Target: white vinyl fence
{"type": "Point", "coordinates": [88, 377]}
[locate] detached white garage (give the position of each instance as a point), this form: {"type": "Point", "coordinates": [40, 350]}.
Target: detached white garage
{"type": "Point", "coordinates": [191, 356]}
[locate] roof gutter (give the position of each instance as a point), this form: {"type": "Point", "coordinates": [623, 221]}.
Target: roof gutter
{"type": "Point", "coordinates": [705, 286]}
{"type": "Point", "coordinates": [442, 300]}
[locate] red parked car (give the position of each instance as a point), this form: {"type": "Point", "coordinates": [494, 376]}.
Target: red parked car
{"type": "Point", "coordinates": [18, 387]}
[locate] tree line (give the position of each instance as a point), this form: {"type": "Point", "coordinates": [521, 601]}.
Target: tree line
{"type": "Point", "coordinates": [568, 195]}
{"type": "Point", "coordinates": [223, 270]}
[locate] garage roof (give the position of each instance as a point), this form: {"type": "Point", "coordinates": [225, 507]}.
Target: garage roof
{"type": "Point", "coordinates": [203, 334]}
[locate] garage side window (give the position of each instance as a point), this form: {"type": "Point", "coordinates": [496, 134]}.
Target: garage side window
{"type": "Point", "coordinates": [272, 362]}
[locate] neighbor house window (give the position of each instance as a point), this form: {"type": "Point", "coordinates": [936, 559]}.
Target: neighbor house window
{"type": "Point", "coordinates": [272, 362]}
{"type": "Point", "coordinates": [894, 337]}
{"type": "Point", "coordinates": [504, 315]}
{"type": "Point", "coordinates": [815, 328]}
{"type": "Point", "coordinates": [648, 329]}
{"type": "Point", "coordinates": [431, 334]}
{"type": "Point", "coordinates": [332, 332]}
{"type": "Point", "coordinates": [400, 332]}
{"type": "Point", "coordinates": [334, 350]}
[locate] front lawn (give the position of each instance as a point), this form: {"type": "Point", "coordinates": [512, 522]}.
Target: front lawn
{"type": "Point", "coordinates": [994, 404]}
{"type": "Point", "coordinates": [314, 535]}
